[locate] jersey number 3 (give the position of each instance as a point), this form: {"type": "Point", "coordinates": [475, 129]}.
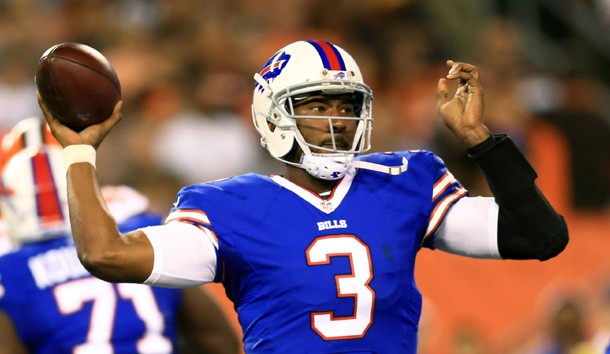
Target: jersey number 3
{"type": "Point", "coordinates": [354, 285]}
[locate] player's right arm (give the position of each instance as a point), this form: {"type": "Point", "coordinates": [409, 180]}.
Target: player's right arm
{"type": "Point", "coordinates": [10, 343]}
{"type": "Point", "coordinates": [186, 258]}
{"type": "Point", "coordinates": [102, 249]}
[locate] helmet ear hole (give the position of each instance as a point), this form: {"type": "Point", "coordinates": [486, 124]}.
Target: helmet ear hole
{"type": "Point", "coordinates": [274, 118]}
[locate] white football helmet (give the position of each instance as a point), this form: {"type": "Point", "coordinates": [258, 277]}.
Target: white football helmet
{"type": "Point", "coordinates": [28, 132]}
{"type": "Point", "coordinates": [294, 72]}
{"type": "Point", "coordinates": [34, 196]}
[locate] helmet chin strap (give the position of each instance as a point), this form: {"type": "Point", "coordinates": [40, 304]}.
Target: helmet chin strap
{"type": "Point", "coordinates": [391, 170]}
{"type": "Point", "coordinates": [327, 166]}
{"type": "Point", "coordinates": [335, 166]}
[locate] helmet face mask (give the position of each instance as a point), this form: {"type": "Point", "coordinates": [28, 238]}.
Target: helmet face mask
{"type": "Point", "coordinates": [356, 145]}
{"type": "Point", "coordinates": [34, 198]}
{"type": "Point", "coordinates": [299, 70]}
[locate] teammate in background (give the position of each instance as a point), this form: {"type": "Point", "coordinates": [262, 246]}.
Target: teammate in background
{"type": "Point", "coordinates": [31, 131]}
{"type": "Point", "coordinates": [5, 242]}
{"type": "Point", "coordinates": [321, 259]}
{"type": "Point", "coordinates": [48, 301]}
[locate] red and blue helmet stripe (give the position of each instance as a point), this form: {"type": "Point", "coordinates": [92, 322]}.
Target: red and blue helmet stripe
{"type": "Point", "coordinates": [329, 54]}
{"type": "Point", "coordinates": [48, 202]}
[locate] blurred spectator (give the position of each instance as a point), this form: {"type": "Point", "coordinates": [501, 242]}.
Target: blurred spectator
{"type": "Point", "coordinates": [568, 329]}
{"type": "Point", "coordinates": [586, 129]}
{"type": "Point", "coordinates": [602, 7]}
{"type": "Point", "coordinates": [5, 241]}
{"type": "Point", "coordinates": [215, 143]}
{"type": "Point", "coordinates": [468, 340]}
{"type": "Point", "coordinates": [428, 327]}
{"type": "Point", "coordinates": [17, 88]}
{"type": "Point", "coordinates": [601, 336]}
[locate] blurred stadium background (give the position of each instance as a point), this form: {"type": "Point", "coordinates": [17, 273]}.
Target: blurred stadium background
{"type": "Point", "coordinates": [186, 69]}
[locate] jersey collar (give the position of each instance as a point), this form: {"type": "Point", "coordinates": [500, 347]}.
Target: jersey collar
{"type": "Point", "coordinates": [327, 205]}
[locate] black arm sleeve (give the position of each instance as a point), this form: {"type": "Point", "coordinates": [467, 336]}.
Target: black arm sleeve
{"type": "Point", "coordinates": [528, 226]}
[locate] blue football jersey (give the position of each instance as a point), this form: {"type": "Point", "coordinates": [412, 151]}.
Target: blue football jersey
{"type": "Point", "coordinates": [57, 307]}
{"type": "Point", "coordinates": [333, 275]}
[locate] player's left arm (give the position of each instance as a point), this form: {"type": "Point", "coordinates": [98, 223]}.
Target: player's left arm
{"type": "Point", "coordinates": [10, 343]}
{"type": "Point", "coordinates": [527, 225]}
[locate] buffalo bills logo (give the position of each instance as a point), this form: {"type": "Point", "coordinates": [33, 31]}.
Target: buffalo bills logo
{"type": "Point", "coordinates": [273, 67]}
{"type": "Point", "coordinates": [339, 76]}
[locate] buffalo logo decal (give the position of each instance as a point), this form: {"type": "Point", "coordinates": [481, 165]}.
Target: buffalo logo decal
{"type": "Point", "coordinates": [274, 66]}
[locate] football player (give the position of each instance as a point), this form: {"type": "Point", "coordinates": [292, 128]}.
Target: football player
{"type": "Point", "coordinates": [321, 258]}
{"type": "Point", "coordinates": [49, 303]}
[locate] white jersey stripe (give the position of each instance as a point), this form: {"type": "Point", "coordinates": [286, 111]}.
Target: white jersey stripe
{"type": "Point", "coordinates": [442, 184]}
{"type": "Point", "coordinates": [441, 208]}
{"type": "Point", "coordinates": [187, 214]}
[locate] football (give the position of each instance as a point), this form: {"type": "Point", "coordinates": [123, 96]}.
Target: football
{"type": "Point", "coordinates": [77, 84]}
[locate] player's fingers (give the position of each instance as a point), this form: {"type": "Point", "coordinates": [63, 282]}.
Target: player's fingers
{"type": "Point", "coordinates": [470, 80]}
{"type": "Point", "coordinates": [115, 117]}
{"type": "Point", "coordinates": [461, 91]}
{"type": "Point", "coordinates": [41, 104]}
{"type": "Point", "coordinates": [64, 135]}
{"type": "Point", "coordinates": [461, 66]}
{"type": "Point", "coordinates": [463, 71]}
{"type": "Point", "coordinates": [118, 109]}
{"type": "Point", "coordinates": [95, 134]}
{"type": "Point", "coordinates": [466, 78]}
{"type": "Point", "coordinates": [51, 120]}
{"type": "Point", "coordinates": [441, 92]}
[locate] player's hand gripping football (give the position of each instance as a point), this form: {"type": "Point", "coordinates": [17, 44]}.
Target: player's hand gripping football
{"type": "Point", "coordinates": [463, 113]}
{"type": "Point", "coordinates": [92, 135]}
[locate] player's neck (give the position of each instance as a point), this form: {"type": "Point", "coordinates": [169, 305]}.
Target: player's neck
{"type": "Point", "coordinates": [302, 178]}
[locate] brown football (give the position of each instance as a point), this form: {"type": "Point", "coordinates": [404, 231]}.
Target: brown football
{"type": "Point", "coordinates": [77, 84]}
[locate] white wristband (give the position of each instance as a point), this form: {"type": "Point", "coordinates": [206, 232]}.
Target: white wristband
{"type": "Point", "coordinates": [77, 154]}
